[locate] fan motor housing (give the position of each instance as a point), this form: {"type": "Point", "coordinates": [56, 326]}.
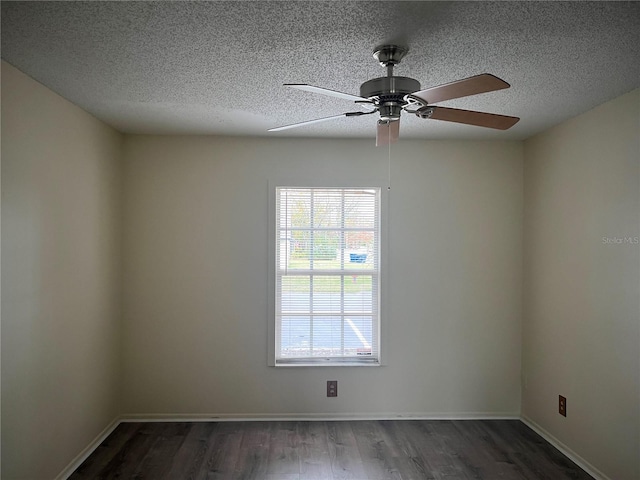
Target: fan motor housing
{"type": "Point", "coordinates": [389, 86]}
{"type": "Point", "coordinates": [388, 94]}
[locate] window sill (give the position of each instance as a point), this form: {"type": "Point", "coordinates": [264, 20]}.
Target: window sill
{"type": "Point", "coordinates": [328, 364]}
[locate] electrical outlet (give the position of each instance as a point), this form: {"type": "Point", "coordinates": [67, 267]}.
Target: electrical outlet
{"type": "Point", "coordinates": [562, 406]}
{"type": "Point", "coordinates": [332, 388]}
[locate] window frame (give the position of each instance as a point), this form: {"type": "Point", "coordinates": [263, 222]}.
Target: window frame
{"type": "Point", "coordinates": [382, 277]}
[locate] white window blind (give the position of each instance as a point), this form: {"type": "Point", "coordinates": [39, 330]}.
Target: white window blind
{"type": "Point", "coordinates": [327, 275]}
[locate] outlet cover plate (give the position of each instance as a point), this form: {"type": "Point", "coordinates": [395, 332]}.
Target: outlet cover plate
{"type": "Point", "coordinates": [332, 388]}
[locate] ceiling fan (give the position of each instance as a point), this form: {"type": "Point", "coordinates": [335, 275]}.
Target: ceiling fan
{"type": "Point", "coordinates": [390, 95]}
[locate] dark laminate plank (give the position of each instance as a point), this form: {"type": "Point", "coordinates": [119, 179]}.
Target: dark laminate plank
{"type": "Point", "coordinates": [132, 453]}
{"type": "Point", "coordinates": [191, 454]}
{"type": "Point", "coordinates": [376, 453]}
{"type": "Point", "coordinates": [364, 450]}
{"type": "Point", "coordinates": [283, 449]}
{"type": "Point", "coordinates": [500, 449]}
{"type": "Point", "coordinates": [470, 453]}
{"type": "Point", "coordinates": [157, 462]}
{"type": "Point", "coordinates": [253, 455]}
{"type": "Point", "coordinates": [106, 451]}
{"type": "Point", "coordinates": [509, 444]}
{"type": "Point", "coordinates": [479, 450]}
{"type": "Point", "coordinates": [409, 462]}
{"type": "Point", "coordinates": [346, 462]}
{"type": "Point", "coordinates": [313, 451]}
{"type": "Point", "coordinates": [453, 446]}
{"type": "Point", "coordinates": [451, 473]}
{"type": "Point", "coordinates": [427, 446]}
{"type": "Point", "coordinates": [223, 451]}
{"type": "Point", "coordinates": [543, 458]}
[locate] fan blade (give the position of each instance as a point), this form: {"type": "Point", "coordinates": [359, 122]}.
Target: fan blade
{"type": "Point", "coordinates": [468, 117]}
{"type": "Point", "coordinates": [326, 91]}
{"type": "Point", "coordinates": [319, 120]}
{"type": "Point", "coordinates": [461, 88]}
{"type": "Point", "coordinates": [387, 132]}
{"type": "Point", "coordinates": [308, 122]}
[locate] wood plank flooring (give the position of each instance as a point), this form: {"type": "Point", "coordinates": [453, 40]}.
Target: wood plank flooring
{"type": "Point", "coordinates": [355, 450]}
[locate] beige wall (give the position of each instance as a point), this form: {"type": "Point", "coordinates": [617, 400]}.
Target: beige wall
{"type": "Point", "coordinates": [581, 334]}
{"type": "Point", "coordinates": [61, 276]}
{"type": "Point", "coordinates": [196, 262]}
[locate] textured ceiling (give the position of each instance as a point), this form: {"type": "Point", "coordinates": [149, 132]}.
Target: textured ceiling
{"type": "Point", "coordinates": [218, 67]}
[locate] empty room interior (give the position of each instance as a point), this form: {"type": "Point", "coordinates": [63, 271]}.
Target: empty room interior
{"type": "Point", "coordinates": [455, 242]}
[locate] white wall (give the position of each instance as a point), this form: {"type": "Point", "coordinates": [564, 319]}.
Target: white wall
{"type": "Point", "coordinates": [61, 276]}
{"type": "Point", "coordinates": [581, 334]}
{"type": "Point", "coordinates": [196, 261]}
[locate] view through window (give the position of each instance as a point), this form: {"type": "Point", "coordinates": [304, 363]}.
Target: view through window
{"type": "Point", "coordinates": [327, 275]}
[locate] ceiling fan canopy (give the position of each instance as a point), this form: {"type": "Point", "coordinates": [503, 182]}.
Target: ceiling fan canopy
{"type": "Point", "coordinates": [389, 96]}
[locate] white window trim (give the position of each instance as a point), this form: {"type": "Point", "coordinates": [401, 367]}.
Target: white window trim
{"type": "Point", "coordinates": [383, 272]}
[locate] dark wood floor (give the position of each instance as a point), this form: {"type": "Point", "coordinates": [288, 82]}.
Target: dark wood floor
{"type": "Point", "coordinates": [385, 450]}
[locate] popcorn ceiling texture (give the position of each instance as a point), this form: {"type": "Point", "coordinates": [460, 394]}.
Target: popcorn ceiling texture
{"type": "Point", "coordinates": [218, 67]}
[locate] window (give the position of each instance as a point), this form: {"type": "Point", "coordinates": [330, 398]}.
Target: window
{"type": "Point", "coordinates": [327, 285]}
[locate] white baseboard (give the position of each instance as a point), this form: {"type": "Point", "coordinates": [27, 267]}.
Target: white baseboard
{"type": "Point", "coordinates": [82, 456]}
{"type": "Point", "coordinates": [573, 456]}
{"type": "Point", "coordinates": [270, 417]}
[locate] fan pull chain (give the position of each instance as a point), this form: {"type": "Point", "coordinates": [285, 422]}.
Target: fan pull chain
{"type": "Point", "coordinates": [389, 166]}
